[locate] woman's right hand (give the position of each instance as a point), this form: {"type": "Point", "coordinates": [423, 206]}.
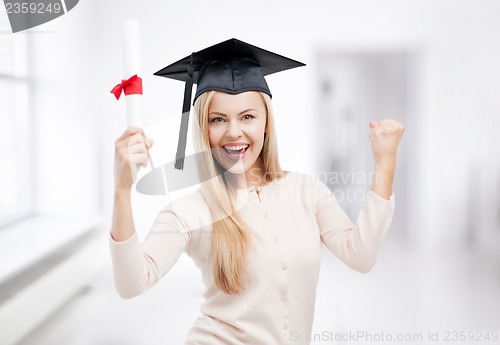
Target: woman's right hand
{"type": "Point", "coordinates": [131, 152]}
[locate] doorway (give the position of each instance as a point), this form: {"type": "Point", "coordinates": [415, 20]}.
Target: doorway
{"type": "Point", "coordinates": [355, 87]}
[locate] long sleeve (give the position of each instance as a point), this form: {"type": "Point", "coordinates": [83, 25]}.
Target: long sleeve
{"type": "Point", "coordinates": [138, 266]}
{"type": "Point", "coordinates": [355, 244]}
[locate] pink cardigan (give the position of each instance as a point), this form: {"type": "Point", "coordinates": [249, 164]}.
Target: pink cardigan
{"type": "Point", "coordinates": [291, 218]}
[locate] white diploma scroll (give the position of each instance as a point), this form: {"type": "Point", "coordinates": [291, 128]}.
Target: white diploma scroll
{"type": "Point", "coordinates": [132, 53]}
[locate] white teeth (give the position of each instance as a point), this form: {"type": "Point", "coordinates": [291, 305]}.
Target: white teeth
{"type": "Point", "coordinates": [236, 148]}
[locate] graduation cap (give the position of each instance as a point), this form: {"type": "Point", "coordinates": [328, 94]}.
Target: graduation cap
{"type": "Point", "coordinates": [231, 66]}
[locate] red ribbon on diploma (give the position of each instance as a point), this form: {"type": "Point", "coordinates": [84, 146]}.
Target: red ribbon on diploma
{"type": "Point", "coordinates": [131, 86]}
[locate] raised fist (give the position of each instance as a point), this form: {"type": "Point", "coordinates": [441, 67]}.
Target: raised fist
{"type": "Point", "coordinates": [385, 137]}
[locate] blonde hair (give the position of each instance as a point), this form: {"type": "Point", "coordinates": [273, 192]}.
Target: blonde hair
{"type": "Point", "coordinates": [231, 237]}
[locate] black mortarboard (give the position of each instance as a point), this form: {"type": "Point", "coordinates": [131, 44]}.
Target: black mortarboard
{"type": "Point", "coordinates": [231, 66]}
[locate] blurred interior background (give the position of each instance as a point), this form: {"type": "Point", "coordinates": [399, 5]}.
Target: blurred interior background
{"type": "Point", "coordinates": [432, 65]}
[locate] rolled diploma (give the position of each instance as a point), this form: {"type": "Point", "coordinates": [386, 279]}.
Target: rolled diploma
{"type": "Point", "coordinates": [132, 52]}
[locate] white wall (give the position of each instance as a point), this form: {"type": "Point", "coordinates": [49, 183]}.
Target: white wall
{"type": "Point", "coordinates": [66, 118]}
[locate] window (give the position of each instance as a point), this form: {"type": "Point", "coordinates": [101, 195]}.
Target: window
{"type": "Point", "coordinates": [16, 170]}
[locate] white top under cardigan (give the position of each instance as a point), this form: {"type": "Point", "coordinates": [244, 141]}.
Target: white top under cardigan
{"type": "Point", "coordinates": [292, 216]}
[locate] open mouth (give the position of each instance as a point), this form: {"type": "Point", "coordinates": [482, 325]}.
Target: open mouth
{"type": "Point", "coordinates": [235, 152]}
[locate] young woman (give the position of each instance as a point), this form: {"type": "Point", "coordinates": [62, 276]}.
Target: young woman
{"type": "Point", "coordinates": [254, 230]}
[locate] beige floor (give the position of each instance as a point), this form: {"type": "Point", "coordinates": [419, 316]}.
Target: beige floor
{"type": "Point", "coordinates": [409, 294]}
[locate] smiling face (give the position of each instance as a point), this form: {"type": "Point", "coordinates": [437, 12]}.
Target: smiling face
{"type": "Point", "coordinates": [236, 127]}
